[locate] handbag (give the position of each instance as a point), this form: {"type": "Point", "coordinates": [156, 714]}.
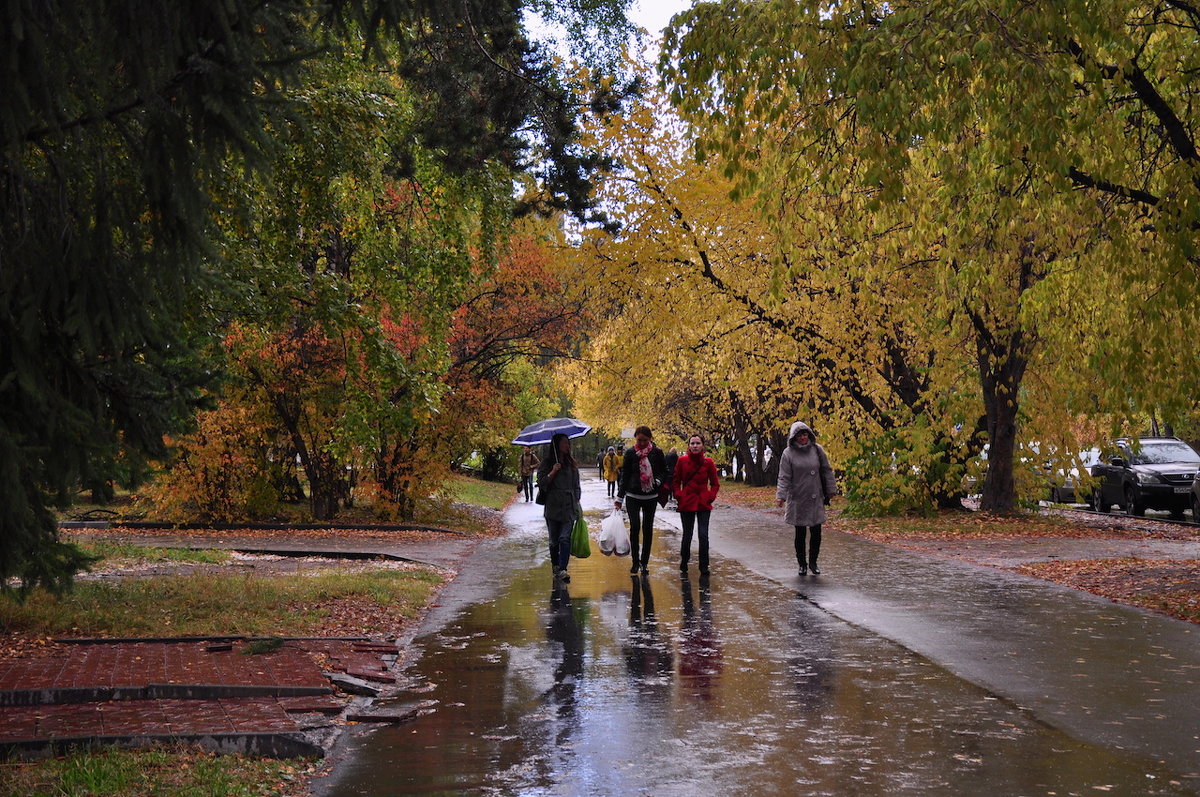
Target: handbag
{"type": "Point", "coordinates": [540, 498]}
{"type": "Point", "coordinates": [664, 493]}
{"type": "Point", "coordinates": [580, 546]}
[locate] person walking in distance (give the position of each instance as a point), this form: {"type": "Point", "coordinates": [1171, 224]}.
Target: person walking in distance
{"type": "Point", "coordinates": [527, 467]}
{"type": "Point", "coordinates": [612, 470]}
{"type": "Point", "coordinates": [558, 476]}
{"type": "Point", "coordinates": [642, 473]}
{"type": "Point", "coordinates": [805, 485]}
{"type": "Point", "coordinates": [695, 487]}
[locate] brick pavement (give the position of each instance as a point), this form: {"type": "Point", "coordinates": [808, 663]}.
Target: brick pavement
{"type": "Point", "coordinates": [209, 691]}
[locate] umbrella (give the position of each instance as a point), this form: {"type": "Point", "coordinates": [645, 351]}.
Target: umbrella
{"type": "Point", "coordinates": [541, 432]}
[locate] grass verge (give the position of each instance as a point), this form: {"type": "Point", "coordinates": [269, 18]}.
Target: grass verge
{"type": "Point", "coordinates": [149, 773]}
{"type": "Point", "coordinates": [494, 495]}
{"type": "Point", "coordinates": [114, 553]}
{"type": "Point", "coordinates": [217, 604]}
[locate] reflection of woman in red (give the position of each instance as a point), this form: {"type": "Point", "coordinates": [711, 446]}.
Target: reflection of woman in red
{"type": "Point", "coordinates": [695, 486]}
{"type": "Point", "coordinates": [699, 646]}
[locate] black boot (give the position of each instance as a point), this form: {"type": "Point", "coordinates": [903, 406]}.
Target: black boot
{"type": "Point", "coordinates": [803, 568]}
{"type": "Point", "coordinates": [814, 549]}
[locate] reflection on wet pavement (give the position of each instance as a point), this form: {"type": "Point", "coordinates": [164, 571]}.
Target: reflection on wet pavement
{"type": "Point", "coordinates": [668, 685]}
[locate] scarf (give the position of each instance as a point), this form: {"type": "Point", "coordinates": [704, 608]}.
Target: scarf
{"type": "Point", "coordinates": [645, 472]}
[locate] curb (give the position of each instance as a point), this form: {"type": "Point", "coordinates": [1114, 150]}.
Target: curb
{"type": "Point", "coordinates": [267, 745]}
{"type": "Point", "coordinates": [104, 694]}
{"type": "Point", "coordinates": [140, 524]}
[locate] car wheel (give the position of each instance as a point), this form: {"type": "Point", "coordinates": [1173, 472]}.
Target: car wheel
{"type": "Point", "coordinates": [1132, 506]}
{"type": "Point", "coordinates": [1195, 508]}
{"type": "Point", "coordinates": [1097, 501]}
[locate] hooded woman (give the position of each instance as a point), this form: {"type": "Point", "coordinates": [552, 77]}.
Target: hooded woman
{"type": "Point", "coordinates": [612, 470]}
{"type": "Point", "coordinates": [558, 477]}
{"type": "Point", "coordinates": [805, 484]}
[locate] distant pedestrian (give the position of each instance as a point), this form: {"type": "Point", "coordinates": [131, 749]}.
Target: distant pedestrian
{"type": "Point", "coordinates": [612, 470]}
{"type": "Point", "coordinates": [806, 484]}
{"type": "Point", "coordinates": [695, 486]}
{"type": "Point", "coordinates": [671, 458]}
{"type": "Point", "coordinates": [643, 471]}
{"type": "Point", "coordinates": [558, 477]}
{"type": "Point", "coordinates": [527, 467]}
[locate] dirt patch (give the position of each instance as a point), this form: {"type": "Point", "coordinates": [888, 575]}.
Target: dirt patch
{"type": "Point", "coordinates": [1135, 561]}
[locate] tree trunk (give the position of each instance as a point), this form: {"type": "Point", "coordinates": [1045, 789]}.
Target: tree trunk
{"type": "Point", "coordinates": [1001, 369]}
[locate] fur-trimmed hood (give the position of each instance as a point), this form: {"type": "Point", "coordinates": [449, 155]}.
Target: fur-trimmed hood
{"type": "Point", "coordinates": [797, 428]}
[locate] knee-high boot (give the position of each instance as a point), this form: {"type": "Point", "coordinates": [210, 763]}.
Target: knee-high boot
{"type": "Point", "coordinates": [814, 549]}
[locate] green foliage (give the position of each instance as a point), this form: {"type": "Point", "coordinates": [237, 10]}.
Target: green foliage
{"type": "Point", "coordinates": [1031, 168]}
{"type": "Point", "coordinates": [124, 127]}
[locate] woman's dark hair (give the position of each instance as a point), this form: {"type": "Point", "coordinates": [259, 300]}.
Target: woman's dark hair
{"type": "Point", "coordinates": [696, 434]}
{"type": "Point", "coordinates": [643, 430]}
{"type": "Point", "coordinates": [558, 456]}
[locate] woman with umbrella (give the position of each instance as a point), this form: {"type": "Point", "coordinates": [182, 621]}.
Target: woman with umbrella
{"type": "Point", "coordinates": [558, 481]}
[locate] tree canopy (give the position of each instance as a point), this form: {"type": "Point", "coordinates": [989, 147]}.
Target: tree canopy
{"type": "Point", "coordinates": [122, 126]}
{"type": "Point", "coordinates": [1032, 167]}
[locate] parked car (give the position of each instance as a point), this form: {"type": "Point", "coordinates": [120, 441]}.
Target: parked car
{"type": "Point", "coordinates": [1196, 499]}
{"type": "Point", "coordinates": [1065, 480]}
{"type": "Point", "coordinates": [1150, 473]}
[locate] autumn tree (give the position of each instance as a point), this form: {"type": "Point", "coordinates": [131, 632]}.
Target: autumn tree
{"type": "Point", "coordinates": [752, 327]}
{"type": "Point", "coordinates": [119, 117]}
{"type": "Point", "coordinates": [1021, 149]}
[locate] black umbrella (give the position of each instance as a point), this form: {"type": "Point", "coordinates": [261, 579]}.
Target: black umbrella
{"type": "Point", "coordinates": [541, 432]}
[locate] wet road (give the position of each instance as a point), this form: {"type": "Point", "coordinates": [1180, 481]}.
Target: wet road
{"type": "Point", "coordinates": [865, 681]}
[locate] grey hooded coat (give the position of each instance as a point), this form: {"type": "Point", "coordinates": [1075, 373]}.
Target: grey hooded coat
{"type": "Point", "coordinates": [805, 479]}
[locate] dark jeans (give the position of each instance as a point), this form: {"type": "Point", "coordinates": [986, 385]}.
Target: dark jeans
{"type": "Point", "coordinates": [612, 489]}
{"type": "Point", "coordinates": [527, 486]}
{"type": "Point", "coordinates": [641, 514]}
{"type": "Point", "coordinates": [700, 521]}
{"type": "Point", "coordinates": [814, 546]}
{"type": "Point", "coordinates": [560, 542]}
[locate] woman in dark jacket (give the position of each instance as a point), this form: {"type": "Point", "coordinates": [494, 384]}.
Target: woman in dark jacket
{"type": "Point", "coordinates": [558, 477]}
{"type": "Point", "coordinates": [695, 486]}
{"type": "Point", "coordinates": [805, 484]}
{"type": "Point", "coordinates": [642, 473]}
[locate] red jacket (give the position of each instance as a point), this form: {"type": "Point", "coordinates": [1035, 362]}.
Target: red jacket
{"type": "Point", "coordinates": [696, 483]}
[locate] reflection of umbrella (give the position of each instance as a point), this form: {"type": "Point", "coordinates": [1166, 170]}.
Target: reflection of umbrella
{"type": "Point", "coordinates": [541, 432]}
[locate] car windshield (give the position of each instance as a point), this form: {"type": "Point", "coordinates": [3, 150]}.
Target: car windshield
{"type": "Point", "coordinates": [1164, 453]}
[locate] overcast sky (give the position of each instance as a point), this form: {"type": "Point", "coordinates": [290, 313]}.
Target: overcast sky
{"type": "Point", "coordinates": [653, 15]}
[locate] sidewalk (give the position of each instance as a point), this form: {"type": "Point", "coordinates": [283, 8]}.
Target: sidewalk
{"type": "Point", "coordinates": [288, 702]}
{"type": "Point", "coordinates": [1112, 674]}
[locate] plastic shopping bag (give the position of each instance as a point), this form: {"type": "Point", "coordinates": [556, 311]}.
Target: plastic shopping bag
{"type": "Point", "coordinates": [609, 531]}
{"type": "Point", "coordinates": [614, 534]}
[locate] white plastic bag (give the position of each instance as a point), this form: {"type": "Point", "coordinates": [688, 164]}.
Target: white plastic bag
{"type": "Point", "coordinates": [614, 538]}
{"type": "Point", "coordinates": [613, 535]}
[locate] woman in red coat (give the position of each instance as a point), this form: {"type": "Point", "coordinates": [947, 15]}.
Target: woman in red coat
{"type": "Point", "coordinates": [695, 486]}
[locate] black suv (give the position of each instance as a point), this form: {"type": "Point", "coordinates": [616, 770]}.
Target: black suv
{"type": "Point", "coordinates": [1150, 473]}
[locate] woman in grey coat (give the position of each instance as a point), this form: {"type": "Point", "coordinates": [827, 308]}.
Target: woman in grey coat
{"type": "Point", "coordinates": [558, 479]}
{"type": "Point", "coordinates": [805, 484]}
